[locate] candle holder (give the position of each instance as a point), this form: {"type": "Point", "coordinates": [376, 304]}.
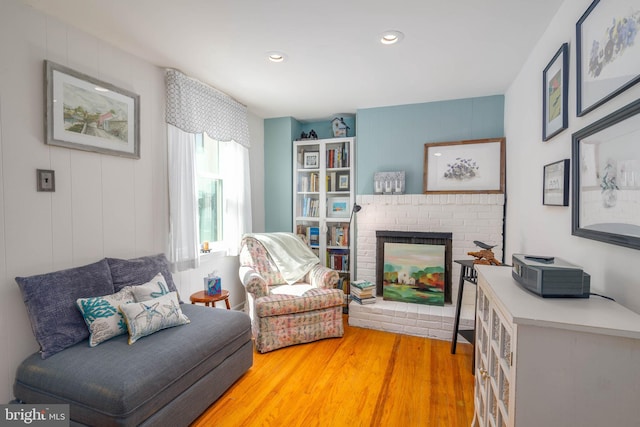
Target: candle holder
{"type": "Point", "coordinates": [389, 182]}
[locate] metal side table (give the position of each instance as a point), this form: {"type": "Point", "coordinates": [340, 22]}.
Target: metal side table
{"type": "Point", "coordinates": [467, 274]}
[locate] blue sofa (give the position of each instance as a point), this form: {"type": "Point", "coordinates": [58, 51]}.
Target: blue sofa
{"type": "Point", "coordinates": [166, 378]}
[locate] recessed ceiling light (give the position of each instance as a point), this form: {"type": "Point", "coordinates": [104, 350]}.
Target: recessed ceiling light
{"type": "Point", "coordinates": [276, 56]}
{"type": "Point", "coordinates": [391, 37]}
{"type": "Point", "coordinates": [101, 89]}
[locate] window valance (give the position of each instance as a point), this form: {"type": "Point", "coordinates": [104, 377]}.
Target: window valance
{"type": "Point", "coordinates": [195, 107]}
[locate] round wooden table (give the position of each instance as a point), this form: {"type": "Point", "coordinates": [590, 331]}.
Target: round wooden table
{"type": "Point", "coordinates": [210, 300]}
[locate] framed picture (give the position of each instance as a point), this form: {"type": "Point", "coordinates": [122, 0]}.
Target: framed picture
{"type": "Point", "coordinates": [555, 92]}
{"type": "Point", "coordinates": [556, 184]}
{"type": "Point", "coordinates": [338, 207]}
{"type": "Point", "coordinates": [342, 181]}
{"type": "Point", "coordinates": [608, 59]}
{"type": "Point", "coordinates": [311, 160]}
{"type": "Point", "coordinates": [473, 166]}
{"type": "Point", "coordinates": [88, 114]}
{"type": "Point", "coordinates": [606, 178]}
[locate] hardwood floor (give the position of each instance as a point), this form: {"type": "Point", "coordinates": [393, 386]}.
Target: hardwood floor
{"type": "Point", "coordinates": [366, 378]}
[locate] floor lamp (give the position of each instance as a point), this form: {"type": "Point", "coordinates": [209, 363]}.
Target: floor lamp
{"type": "Point", "coordinates": [356, 208]}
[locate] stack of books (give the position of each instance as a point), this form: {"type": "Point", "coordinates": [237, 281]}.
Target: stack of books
{"type": "Point", "coordinates": [363, 292]}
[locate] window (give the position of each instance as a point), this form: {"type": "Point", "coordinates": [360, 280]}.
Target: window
{"type": "Point", "coordinates": [209, 192]}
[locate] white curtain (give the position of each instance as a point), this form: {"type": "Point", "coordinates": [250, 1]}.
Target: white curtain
{"type": "Point", "coordinates": [234, 168]}
{"type": "Point", "coordinates": [183, 201]}
{"type": "Point", "coordinates": [193, 108]}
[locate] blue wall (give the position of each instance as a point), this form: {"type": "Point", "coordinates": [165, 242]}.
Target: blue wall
{"type": "Point", "coordinates": [388, 139]}
{"type": "Point", "coordinates": [392, 138]}
{"type": "Point", "coordinates": [324, 130]}
{"type": "Point", "coordinates": [278, 176]}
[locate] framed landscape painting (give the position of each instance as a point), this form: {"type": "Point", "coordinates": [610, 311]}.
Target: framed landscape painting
{"type": "Point", "coordinates": [414, 273]}
{"type": "Point", "coordinates": [89, 114]}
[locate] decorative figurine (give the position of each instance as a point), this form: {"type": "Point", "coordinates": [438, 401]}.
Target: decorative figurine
{"type": "Point", "coordinates": [340, 128]}
{"type": "Point", "coordinates": [313, 134]}
{"type": "Point", "coordinates": [484, 256]}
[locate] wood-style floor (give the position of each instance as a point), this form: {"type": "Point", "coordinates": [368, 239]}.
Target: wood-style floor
{"type": "Point", "coordinates": [366, 378]}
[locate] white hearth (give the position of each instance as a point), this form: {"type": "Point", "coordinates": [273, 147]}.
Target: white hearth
{"type": "Point", "coordinates": [468, 217]}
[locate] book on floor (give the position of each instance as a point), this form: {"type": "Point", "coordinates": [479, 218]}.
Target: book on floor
{"type": "Point", "coordinates": [362, 284]}
{"type": "Point", "coordinates": [363, 301]}
{"type": "Point", "coordinates": [367, 293]}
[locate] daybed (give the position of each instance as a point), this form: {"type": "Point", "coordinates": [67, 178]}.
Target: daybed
{"type": "Point", "coordinates": [168, 377]}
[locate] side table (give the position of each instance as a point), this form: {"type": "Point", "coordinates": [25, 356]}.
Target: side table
{"type": "Point", "coordinates": [210, 300]}
{"type": "Point", "coordinates": [467, 274]}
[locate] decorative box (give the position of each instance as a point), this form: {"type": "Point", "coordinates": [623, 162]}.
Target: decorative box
{"type": "Point", "coordinates": [212, 286]}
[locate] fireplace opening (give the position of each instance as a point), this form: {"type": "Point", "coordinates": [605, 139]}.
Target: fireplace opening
{"type": "Point", "coordinates": [410, 274]}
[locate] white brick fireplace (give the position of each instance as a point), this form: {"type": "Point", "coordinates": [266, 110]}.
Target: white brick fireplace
{"type": "Point", "coordinates": [468, 217]}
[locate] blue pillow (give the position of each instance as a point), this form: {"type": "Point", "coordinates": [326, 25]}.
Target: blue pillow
{"type": "Point", "coordinates": [51, 303]}
{"type": "Point", "coordinates": [138, 271]}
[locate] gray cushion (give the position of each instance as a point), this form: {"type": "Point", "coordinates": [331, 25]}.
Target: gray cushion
{"type": "Point", "coordinates": [117, 383]}
{"type": "Point", "coordinates": [51, 303]}
{"type": "Point", "coordinates": [137, 271]}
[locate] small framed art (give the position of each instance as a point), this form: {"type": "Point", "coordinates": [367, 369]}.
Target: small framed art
{"type": "Point", "coordinates": [556, 184]}
{"type": "Point", "coordinates": [338, 207]}
{"type": "Point", "coordinates": [311, 160]}
{"type": "Point", "coordinates": [555, 92]}
{"type": "Point", "coordinates": [342, 179]}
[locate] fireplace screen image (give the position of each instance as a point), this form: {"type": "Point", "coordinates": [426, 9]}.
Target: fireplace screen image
{"type": "Point", "coordinates": [414, 273]}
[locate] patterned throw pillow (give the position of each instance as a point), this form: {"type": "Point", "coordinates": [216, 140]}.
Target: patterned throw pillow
{"type": "Point", "coordinates": [146, 317]}
{"type": "Point", "coordinates": [155, 288]}
{"type": "Point", "coordinates": [102, 316]}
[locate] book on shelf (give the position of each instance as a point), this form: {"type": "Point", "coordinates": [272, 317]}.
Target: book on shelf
{"type": "Point", "coordinates": [313, 236]}
{"type": "Point", "coordinates": [339, 235]}
{"type": "Point", "coordinates": [338, 259]}
{"type": "Point", "coordinates": [363, 301]}
{"type": "Point", "coordinates": [309, 207]}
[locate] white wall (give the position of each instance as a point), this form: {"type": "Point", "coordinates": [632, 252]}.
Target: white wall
{"type": "Point", "coordinates": [103, 205]}
{"type": "Point", "coordinates": [537, 229]}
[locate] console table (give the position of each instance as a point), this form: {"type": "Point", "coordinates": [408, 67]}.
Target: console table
{"type": "Point", "coordinates": [553, 361]}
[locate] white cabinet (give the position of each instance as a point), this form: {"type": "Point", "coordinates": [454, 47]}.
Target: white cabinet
{"type": "Point", "coordinates": [493, 363]}
{"type": "Point", "coordinates": [323, 197]}
{"type": "Point", "coordinates": [553, 362]}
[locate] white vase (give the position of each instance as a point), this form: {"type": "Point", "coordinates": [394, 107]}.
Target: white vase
{"type": "Point", "coordinates": [609, 198]}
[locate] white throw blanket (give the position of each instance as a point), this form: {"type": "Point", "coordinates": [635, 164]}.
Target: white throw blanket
{"type": "Point", "coordinates": [293, 258]}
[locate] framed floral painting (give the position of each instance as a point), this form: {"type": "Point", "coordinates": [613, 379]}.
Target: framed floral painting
{"type": "Point", "coordinates": [472, 166]}
{"type": "Point", "coordinates": [608, 52]}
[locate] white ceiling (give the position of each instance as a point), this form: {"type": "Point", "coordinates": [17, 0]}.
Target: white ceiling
{"type": "Point", "coordinates": [335, 64]}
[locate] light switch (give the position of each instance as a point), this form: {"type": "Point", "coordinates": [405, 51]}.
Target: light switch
{"type": "Point", "coordinates": [46, 180]}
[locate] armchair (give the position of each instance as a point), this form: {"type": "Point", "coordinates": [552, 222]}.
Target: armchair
{"type": "Point", "coordinates": [291, 298]}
